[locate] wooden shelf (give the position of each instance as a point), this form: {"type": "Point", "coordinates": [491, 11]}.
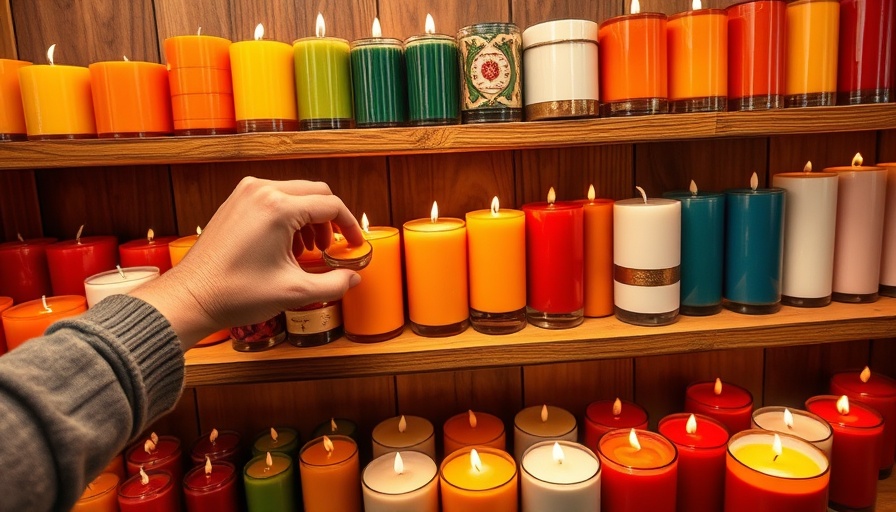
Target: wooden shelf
{"type": "Point", "coordinates": [457, 138]}
{"type": "Point", "coordinates": [886, 494]}
{"type": "Point", "coordinates": [602, 338]}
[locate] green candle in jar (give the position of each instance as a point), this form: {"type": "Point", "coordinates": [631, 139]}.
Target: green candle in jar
{"type": "Point", "coordinates": [378, 80]}
{"type": "Point", "coordinates": [433, 82]}
{"type": "Point", "coordinates": [270, 482]}
{"type": "Point", "coordinates": [323, 81]}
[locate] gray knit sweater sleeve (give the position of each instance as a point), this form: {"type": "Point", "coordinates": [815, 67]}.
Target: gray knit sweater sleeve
{"type": "Point", "coordinates": [73, 398]}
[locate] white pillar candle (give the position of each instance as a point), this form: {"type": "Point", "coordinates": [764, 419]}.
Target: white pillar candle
{"type": "Point", "coordinates": [113, 282]}
{"type": "Point", "coordinates": [401, 482]}
{"type": "Point", "coordinates": [810, 220]}
{"type": "Point", "coordinates": [542, 423]}
{"type": "Point", "coordinates": [404, 433]}
{"type": "Point", "coordinates": [802, 424]}
{"type": "Point", "coordinates": [571, 484]}
{"type": "Point", "coordinates": [888, 255]}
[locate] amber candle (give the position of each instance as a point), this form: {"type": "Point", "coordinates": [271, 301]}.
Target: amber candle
{"type": "Point", "coordinates": [130, 99]}
{"type": "Point", "coordinates": [756, 55]}
{"type": "Point", "coordinates": [812, 34]}
{"type": "Point", "coordinates": [30, 319]}
{"type": "Point", "coordinates": [12, 117]}
{"type": "Point", "coordinates": [57, 101]}
{"type": "Point", "coordinates": [698, 60]}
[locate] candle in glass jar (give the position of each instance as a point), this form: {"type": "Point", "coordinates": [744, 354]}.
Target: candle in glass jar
{"type": "Point", "coordinates": [597, 226]}
{"type": "Point", "coordinates": [731, 405]}
{"type": "Point", "coordinates": [117, 282]}
{"type": "Point", "coordinates": [813, 27]}
{"type": "Point", "coordinates": [606, 415]}
{"type": "Point", "coordinates": [57, 101]}
{"type": "Point", "coordinates": [472, 429]}
{"type": "Point", "coordinates": [149, 491]}
{"type": "Point", "coordinates": [404, 433]}
{"type": "Point", "coordinates": [24, 274]}
{"type": "Point", "coordinates": [211, 487]}
{"type": "Point", "coordinates": [323, 80]}
{"type": "Point", "coordinates": [560, 475]}
{"type": "Point", "coordinates": [480, 478]}
{"type": "Point", "coordinates": [756, 52]}
{"type": "Point", "coordinates": [12, 117]}
{"type": "Point", "coordinates": [337, 426]}
{"type": "Point", "coordinates": [101, 495]}
{"type": "Point", "coordinates": [865, 60]}
{"type": "Point", "coordinates": [277, 439]}
{"type": "Point", "coordinates": [879, 392]}
{"type": "Point", "coordinates": [130, 99]}
{"type": "Point", "coordinates": [330, 475]}
{"type": "Point", "coordinates": [540, 423]}
{"type": "Point", "coordinates": [802, 424]}
{"type": "Point", "coordinates": [639, 471]}
{"type": "Point", "coordinates": [401, 482]}
{"type": "Point", "coordinates": [698, 60]}
{"type": "Point", "coordinates": [379, 80]}
{"type": "Point", "coordinates": [217, 446]}
{"type": "Point", "coordinates": [433, 82]}
{"type": "Point", "coordinates": [270, 482]}
{"type": "Point", "coordinates": [30, 319]}
{"type": "Point", "coordinates": [490, 62]}
{"type": "Point", "coordinates": [72, 261]}
{"type": "Point", "coordinates": [156, 453]}
{"type": "Point", "coordinates": [701, 443]}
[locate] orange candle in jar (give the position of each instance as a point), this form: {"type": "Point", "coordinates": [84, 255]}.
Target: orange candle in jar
{"type": "Point", "coordinates": [813, 28]}
{"type": "Point", "coordinates": [30, 319]}
{"type": "Point", "coordinates": [479, 478]}
{"type": "Point", "coordinates": [178, 250]}
{"type": "Point", "coordinates": [5, 303]}
{"type": "Point", "coordinates": [698, 60]}
{"type": "Point", "coordinates": [101, 495]}
{"type": "Point", "coordinates": [12, 117]}
{"type": "Point", "coordinates": [130, 99]}
{"type": "Point", "coordinates": [57, 101]}
{"type": "Point", "coordinates": [330, 474]}
{"type": "Point", "coordinates": [598, 229]}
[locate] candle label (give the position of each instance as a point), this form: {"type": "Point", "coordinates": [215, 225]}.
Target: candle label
{"type": "Point", "coordinates": [490, 60]}
{"type": "Point", "coordinates": [314, 321]}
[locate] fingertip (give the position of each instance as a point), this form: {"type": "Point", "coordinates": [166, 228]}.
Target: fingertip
{"type": "Point", "coordinates": [354, 280]}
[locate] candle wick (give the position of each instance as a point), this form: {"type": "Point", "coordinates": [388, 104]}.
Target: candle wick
{"type": "Point", "coordinates": [775, 458]}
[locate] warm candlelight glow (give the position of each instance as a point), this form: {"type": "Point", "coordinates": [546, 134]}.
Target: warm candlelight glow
{"type": "Point", "coordinates": [78, 234]}
{"type": "Point", "coordinates": [857, 160]}
{"type": "Point", "coordinates": [154, 437]}
{"type": "Point", "coordinates": [552, 196]}
{"type": "Point", "coordinates": [865, 376]}
{"type": "Point", "coordinates": [475, 461]}
{"type": "Point", "coordinates": [398, 465]}
{"type": "Point", "coordinates": [402, 424]}
{"type": "Point", "coordinates": [126, 58]}
{"type": "Point", "coordinates": [268, 461]}
{"type": "Point", "coordinates": [633, 440]}
{"type": "Point", "coordinates": [274, 434]}
{"type": "Point", "coordinates": [208, 465]}
{"type": "Point", "coordinates": [591, 193]}
{"type": "Point", "coordinates": [150, 235]}
{"type": "Point", "coordinates": [19, 236]}
{"type": "Point", "coordinates": [198, 230]}
{"type": "Point", "coordinates": [636, 7]}
{"type": "Point", "coordinates": [43, 300]}
{"type": "Point", "coordinates": [788, 418]}
{"type": "Point", "coordinates": [472, 418]}
{"type": "Point", "coordinates": [149, 446]}
{"type": "Point", "coordinates": [808, 166]}
{"type": "Point", "coordinates": [328, 445]}
{"type": "Point", "coordinates": [434, 213]}
{"type": "Point", "coordinates": [365, 224]}
{"type": "Point", "coordinates": [430, 26]}
{"type": "Point", "coordinates": [144, 478]}
{"type": "Point", "coordinates": [495, 205]}
{"type": "Point", "coordinates": [199, 31]}
{"type": "Point", "coordinates": [333, 427]}
{"type": "Point", "coordinates": [557, 453]}
{"type": "Point", "coordinates": [544, 413]}
{"type": "Point", "coordinates": [843, 405]}
{"type": "Point", "coordinates": [696, 5]}
{"type": "Point", "coordinates": [376, 30]}
{"type": "Point", "coordinates": [717, 388]}
{"type": "Point", "coordinates": [259, 32]}
{"type": "Point", "coordinates": [213, 436]}
{"type": "Point", "coordinates": [320, 29]}
{"type": "Point", "coordinates": [617, 407]}
{"type": "Point", "coordinates": [693, 188]}
{"type": "Point", "coordinates": [754, 181]}
{"type": "Point", "coordinates": [691, 426]}
{"type": "Point", "coordinates": [777, 447]}
{"type": "Point", "coordinates": [643, 194]}
{"type": "Point", "coordinates": [50, 52]}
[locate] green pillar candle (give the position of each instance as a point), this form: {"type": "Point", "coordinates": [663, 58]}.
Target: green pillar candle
{"type": "Point", "coordinates": [323, 81]}
{"type": "Point", "coordinates": [378, 81]}
{"type": "Point", "coordinates": [270, 483]}
{"type": "Point", "coordinates": [433, 83]}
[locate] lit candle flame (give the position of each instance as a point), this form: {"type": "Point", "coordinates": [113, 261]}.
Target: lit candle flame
{"type": "Point", "coordinates": [430, 26]}
{"type": "Point", "coordinates": [274, 434]}
{"type": "Point", "coordinates": [617, 407]}
{"type": "Point", "coordinates": [208, 465]}
{"type": "Point", "coordinates": [268, 461]}
{"type": "Point", "coordinates": [320, 29]}
{"type": "Point", "coordinates": [776, 447]}
{"type": "Point", "coordinates": [376, 30]}
{"type": "Point", "coordinates": [475, 461]}
{"type": "Point", "coordinates": [633, 440]}
{"type": "Point", "coordinates": [717, 388]}
{"type": "Point", "coordinates": [402, 424]}
{"type": "Point", "coordinates": [591, 193]}
{"type": "Point", "coordinates": [696, 5]}
{"type": "Point", "coordinates": [149, 446]}
{"type": "Point", "coordinates": [50, 52]}
{"type": "Point", "coordinates": [19, 236]}
{"type": "Point", "coordinates": [126, 58]}
{"type": "Point", "coordinates": [544, 413]}
{"type": "Point", "coordinates": [198, 230]}
{"type": "Point", "coordinates": [154, 437]}
{"type": "Point", "coordinates": [472, 418]}
{"type": "Point", "coordinates": [552, 196]}
{"type": "Point", "coordinates": [808, 166]}
{"type": "Point", "coordinates": [120, 271]}
{"type": "Point", "coordinates": [857, 160]}
{"type": "Point", "coordinates": [788, 418]}
{"type": "Point", "coordinates": [754, 181]}
{"type": "Point", "coordinates": [199, 31]}
{"type": "Point", "coordinates": [843, 405]}
{"type": "Point", "coordinates": [150, 235]}
{"type": "Point", "coordinates": [691, 426]}
{"type": "Point", "coordinates": [333, 426]}
{"type": "Point", "coordinates": [643, 194]}
{"type": "Point", "coordinates": [636, 7]}
{"type": "Point", "coordinates": [434, 213]}
{"type": "Point", "coordinates": [557, 453]}
{"type": "Point", "coordinates": [43, 300]}
{"type": "Point", "coordinates": [328, 445]}
{"type": "Point", "coordinates": [365, 224]}
{"type": "Point", "coordinates": [144, 478]}
{"type": "Point", "coordinates": [693, 188]}
{"type": "Point", "coordinates": [78, 234]}
{"type": "Point", "coordinates": [495, 205]}
{"type": "Point", "coordinates": [213, 436]}
{"type": "Point", "coordinates": [398, 465]}
{"type": "Point", "coordinates": [865, 376]}
{"type": "Point", "coordinates": [259, 32]}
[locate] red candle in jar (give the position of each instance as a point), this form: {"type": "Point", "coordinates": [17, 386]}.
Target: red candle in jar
{"type": "Point", "coordinates": [163, 455]}
{"type": "Point", "coordinates": [866, 45]}
{"type": "Point", "coordinates": [153, 493]}
{"type": "Point", "coordinates": [756, 55]}
{"type": "Point", "coordinates": [639, 472]}
{"type": "Point", "coordinates": [606, 415]}
{"type": "Point", "coordinates": [701, 442]}
{"type": "Point", "coordinates": [151, 251]}
{"type": "Point", "coordinates": [858, 437]}
{"type": "Point", "coordinates": [729, 404]}
{"type": "Point", "coordinates": [24, 274]}
{"type": "Point", "coordinates": [879, 392]}
{"type": "Point", "coordinates": [73, 261]}
{"type": "Point", "coordinates": [217, 445]}
{"type": "Point", "coordinates": [211, 487]}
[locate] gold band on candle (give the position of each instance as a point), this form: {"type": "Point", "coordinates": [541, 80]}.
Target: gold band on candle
{"type": "Point", "coordinates": [647, 277]}
{"type": "Point", "coordinates": [564, 108]}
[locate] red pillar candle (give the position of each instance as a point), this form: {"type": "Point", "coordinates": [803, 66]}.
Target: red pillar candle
{"type": "Point", "coordinates": [729, 404]}
{"type": "Point", "coordinates": [756, 55]}
{"type": "Point", "coordinates": [211, 488]}
{"type": "Point", "coordinates": [5, 303]}
{"type": "Point", "coordinates": [855, 455]}
{"type": "Point", "coordinates": [473, 429]}
{"type": "Point", "coordinates": [130, 99]}
{"type": "Point", "coordinates": [30, 319]}
{"type": "Point", "coordinates": [218, 446]}
{"type": "Point", "coordinates": [73, 261]}
{"type": "Point", "coordinates": [555, 263]}
{"type": "Point", "coordinates": [24, 274]}
{"type": "Point", "coordinates": [598, 253]}
{"type": "Point", "coordinates": [151, 251]}
{"type": "Point", "coordinates": [639, 472]}
{"type": "Point", "coordinates": [163, 454]}
{"type": "Point", "coordinates": [879, 392]}
{"type": "Point", "coordinates": [865, 59]}
{"type": "Point", "coordinates": [702, 443]}
{"type": "Point", "coordinates": [149, 492]}
{"type": "Point", "coordinates": [606, 415]}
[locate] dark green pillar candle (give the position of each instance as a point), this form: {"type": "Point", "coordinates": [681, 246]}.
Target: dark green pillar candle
{"type": "Point", "coordinates": [433, 83]}
{"type": "Point", "coordinates": [378, 82]}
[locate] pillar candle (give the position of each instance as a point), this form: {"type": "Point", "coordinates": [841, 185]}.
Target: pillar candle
{"type": "Point", "coordinates": [435, 252]}
{"type": "Point", "coordinates": [218, 446]}
{"type": "Point", "coordinates": [754, 249]}
{"type": "Point", "coordinates": [330, 475]}
{"type": "Point", "coordinates": [560, 475]}
{"type": "Point", "coordinates": [151, 251]}
{"type": "Point", "coordinates": [101, 495]}
{"type": "Point", "coordinates": [888, 253]}
{"type": "Point", "coordinates": [879, 392]}
{"type": "Point", "coordinates": [810, 220]}
{"type": "Point", "coordinates": [855, 456]}
{"type": "Point", "coordinates": [701, 443]}
{"type": "Point", "coordinates": [866, 51]}
{"type": "Point", "coordinates": [30, 319]}
{"type": "Point", "coordinates": [404, 433]}
{"type": "Point", "coordinates": [379, 80]}
{"type": "Point", "coordinates": [861, 200]}
{"type": "Point", "coordinates": [597, 226]}
{"type": "Point", "coordinates": [555, 278]}
{"type": "Point", "coordinates": [178, 249]}
{"type": "Point", "coordinates": [540, 423]}
{"type": "Point", "coordinates": [5, 303]}
{"type": "Point", "coordinates": [433, 82]}
{"type": "Point", "coordinates": [756, 52]}
{"type": "Point", "coordinates": [150, 492]}
{"type": "Point", "coordinates": [490, 62]}
{"type": "Point", "coordinates": [606, 415]}
{"type": "Point", "coordinates": [639, 471]}
{"type": "Point", "coordinates": [480, 478]}
{"type": "Point", "coordinates": [647, 260]}
{"type": "Point", "coordinates": [323, 80]}
{"type": "Point", "coordinates": [12, 117]}
{"type": "Point", "coordinates": [201, 86]}
{"type": "Point", "coordinates": [162, 455]}
{"type": "Point", "coordinates": [131, 99]}
{"type": "Point", "coordinates": [211, 487]}
{"type": "Point", "coordinates": [277, 439]}
{"type": "Point", "coordinates": [813, 27]}
{"type": "Point", "coordinates": [270, 482]}
{"type": "Point", "coordinates": [566, 48]}
{"type": "Point", "coordinates": [757, 479]}
{"type": "Point", "coordinates": [802, 424]}
{"type": "Point", "coordinates": [633, 70]}
{"type": "Point", "coordinates": [472, 429]}
{"type": "Point", "coordinates": [114, 282]}
{"type": "Point", "coordinates": [698, 61]}
{"type": "Point", "coordinates": [57, 101]}
{"type": "Point", "coordinates": [24, 274]}
{"type": "Point", "coordinates": [401, 482]}
{"type": "Point", "coordinates": [496, 245]}
{"type": "Point", "coordinates": [730, 404]}
{"type": "Point", "coordinates": [264, 88]}
{"type": "Point", "coordinates": [702, 250]}
{"type": "Point", "coordinates": [337, 426]}
{"type": "Point", "coordinates": [73, 261]}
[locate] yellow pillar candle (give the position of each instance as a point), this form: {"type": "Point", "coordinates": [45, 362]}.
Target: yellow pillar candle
{"type": "Point", "coordinates": [264, 87]}
{"type": "Point", "coordinates": [323, 80]}
{"type": "Point", "coordinates": [813, 28]}
{"type": "Point", "coordinates": [12, 118]}
{"type": "Point", "coordinates": [57, 101]}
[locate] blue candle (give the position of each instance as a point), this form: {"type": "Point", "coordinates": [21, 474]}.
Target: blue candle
{"type": "Point", "coordinates": [754, 241]}
{"type": "Point", "coordinates": [702, 250]}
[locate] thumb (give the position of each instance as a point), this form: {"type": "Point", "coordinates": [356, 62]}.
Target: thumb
{"type": "Point", "coordinates": [328, 286]}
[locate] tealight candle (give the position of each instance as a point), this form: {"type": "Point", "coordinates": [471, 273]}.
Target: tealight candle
{"type": "Point", "coordinates": [879, 392]}
{"type": "Point", "coordinates": [5, 303]}
{"type": "Point", "coordinates": [404, 433]}
{"type": "Point", "coordinates": [555, 259]}
{"type": "Point", "coordinates": [117, 282]}
{"type": "Point", "coordinates": [496, 243]}
{"type": "Point", "coordinates": [606, 415]}
{"type": "Point", "coordinates": [12, 117]}
{"type": "Point", "coordinates": [888, 253]}
{"type": "Point", "coordinates": [701, 443]}
{"type": "Point", "coordinates": [540, 423]}
{"type": "Point", "coordinates": [277, 439]}
{"type": "Point", "coordinates": [101, 495]}
{"type": "Point", "coordinates": [802, 424]}
{"type": "Point", "coordinates": [156, 453]}
{"type": "Point", "coordinates": [639, 471]}
{"type": "Point", "coordinates": [560, 475]}
{"type": "Point", "coordinates": [401, 482]}
{"type": "Point", "coordinates": [130, 99]}
{"type": "Point", "coordinates": [323, 80]}
{"type": "Point", "coordinates": [211, 487]}
{"type": "Point", "coordinates": [490, 62]}
{"type": "Point", "coordinates": [433, 82]}
{"type": "Point", "coordinates": [148, 491]}
{"type": "Point", "coordinates": [24, 274]}
{"type": "Point", "coordinates": [178, 249]}
{"type": "Point", "coordinates": [597, 226]}
{"type": "Point", "coordinates": [731, 405]}
{"type": "Point", "coordinates": [810, 220]}
{"type": "Point", "coordinates": [698, 60]}
{"type": "Point", "coordinates": [813, 27]}
{"type": "Point", "coordinates": [865, 58]}
{"type": "Point", "coordinates": [30, 319]}
{"type": "Point", "coordinates": [73, 261]}
{"type": "Point", "coordinates": [330, 475]}
{"type": "Point", "coordinates": [269, 481]}
{"type": "Point", "coordinates": [436, 269]}
{"type": "Point", "coordinates": [337, 426]}
{"type": "Point", "coordinates": [217, 446]}
{"type": "Point", "coordinates": [480, 478]}
{"type": "Point", "coordinates": [756, 52]}
{"type": "Point", "coordinates": [472, 429]}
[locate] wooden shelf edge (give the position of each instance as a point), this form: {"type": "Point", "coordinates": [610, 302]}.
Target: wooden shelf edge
{"type": "Point", "coordinates": [604, 338]}
{"type": "Point", "coordinates": [457, 138]}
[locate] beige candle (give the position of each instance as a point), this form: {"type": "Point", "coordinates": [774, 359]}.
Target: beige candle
{"type": "Point", "coordinates": [888, 256]}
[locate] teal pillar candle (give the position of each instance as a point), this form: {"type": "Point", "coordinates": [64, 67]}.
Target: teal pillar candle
{"type": "Point", "coordinates": [323, 81]}
{"type": "Point", "coordinates": [702, 250]}
{"type": "Point", "coordinates": [378, 82]}
{"type": "Point", "coordinates": [754, 241]}
{"type": "Point", "coordinates": [433, 80]}
{"type": "Point", "coordinates": [270, 483]}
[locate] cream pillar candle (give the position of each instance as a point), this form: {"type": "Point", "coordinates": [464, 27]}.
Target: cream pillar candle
{"type": "Point", "coordinates": [888, 255]}
{"type": "Point", "coordinates": [647, 258]}
{"type": "Point", "coordinates": [401, 482]}
{"type": "Point", "coordinates": [113, 282]}
{"type": "Point", "coordinates": [810, 220]}
{"type": "Point", "coordinates": [560, 475]}
{"type": "Point", "coordinates": [404, 433]}
{"type": "Point", "coordinates": [802, 424]}
{"type": "Point", "coordinates": [542, 423]}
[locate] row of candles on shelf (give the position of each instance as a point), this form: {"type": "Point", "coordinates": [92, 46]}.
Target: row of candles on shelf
{"type": "Point", "coordinates": [752, 56]}
{"type": "Point", "coordinates": [718, 455]}
{"type": "Point", "coordinates": [549, 264]}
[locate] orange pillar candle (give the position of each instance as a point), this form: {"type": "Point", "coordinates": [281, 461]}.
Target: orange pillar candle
{"type": "Point", "coordinates": [330, 475]}
{"type": "Point", "coordinates": [101, 495]}
{"type": "Point", "coordinates": [472, 429]}
{"type": "Point", "coordinates": [496, 241]}
{"type": "Point", "coordinates": [436, 266]}
{"type": "Point", "coordinates": [57, 101]}
{"type": "Point", "coordinates": [698, 60]}
{"type": "Point", "coordinates": [201, 85]}
{"type": "Point", "coordinates": [5, 303]}
{"type": "Point", "coordinates": [130, 99]}
{"type": "Point", "coordinates": [598, 229]}
{"type": "Point", "coordinates": [479, 478]}
{"type": "Point", "coordinates": [756, 55]}
{"type": "Point", "coordinates": [639, 471]}
{"type": "Point", "coordinates": [264, 85]}
{"type": "Point", "coordinates": [178, 250]}
{"type": "Point", "coordinates": [813, 27]}
{"type": "Point", "coordinates": [30, 319]}
{"type": "Point", "coordinates": [633, 75]}
{"type": "Point", "coordinates": [12, 117]}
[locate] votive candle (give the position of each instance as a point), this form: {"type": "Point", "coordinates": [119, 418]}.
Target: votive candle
{"type": "Point", "coordinates": [472, 429]}
{"type": "Point", "coordinates": [560, 475]}
{"type": "Point", "coordinates": [330, 475]}
{"type": "Point", "coordinates": [540, 423]}
{"type": "Point", "coordinates": [264, 88]}
{"type": "Point", "coordinates": [404, 433]}
{"type": "Point", "coordinates": [401, 482]}
{"type": "Point", "coordinates": [323, 80]}
{"type": "Point", "coordinates": [728, 403]}
{"type": "Point", "coordinates": [480, 478]}
{"type": "Point", "coordinates": [701, 443]}
{"type": "Point", "coordinates": [639, 471]}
